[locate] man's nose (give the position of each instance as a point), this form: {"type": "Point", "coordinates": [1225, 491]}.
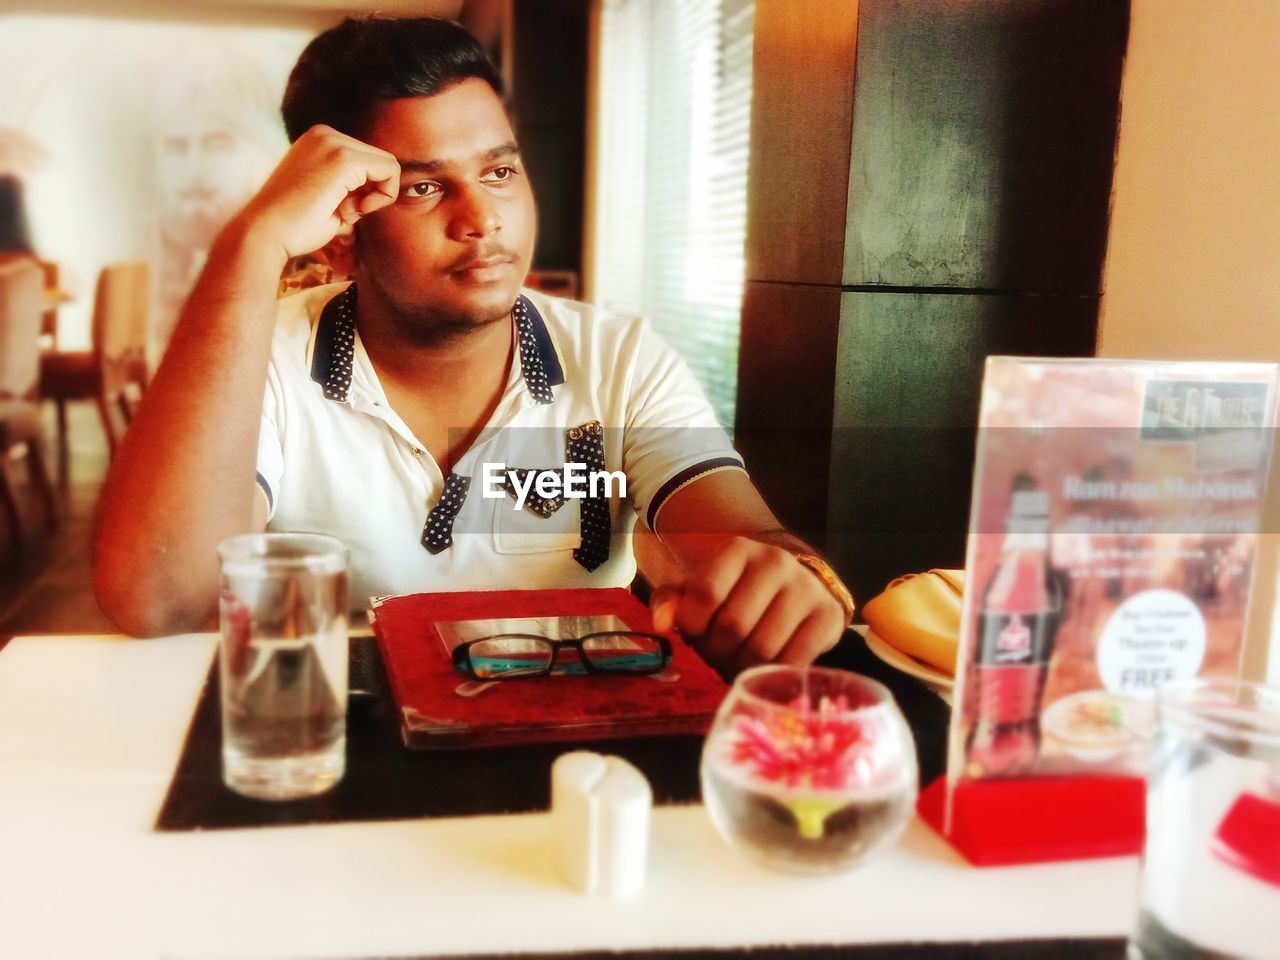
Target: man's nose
{"type": "Point", "coordinates": [475, 214]}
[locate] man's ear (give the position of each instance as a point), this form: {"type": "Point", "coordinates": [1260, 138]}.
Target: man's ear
{"type": "Point", "coordinates": [341, 255]}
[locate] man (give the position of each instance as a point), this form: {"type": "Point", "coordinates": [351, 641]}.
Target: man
{"type": "Point", "coordinates": [409, 413]}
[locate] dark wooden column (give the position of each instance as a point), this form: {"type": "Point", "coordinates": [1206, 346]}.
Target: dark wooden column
{"type": "Point", "coordinates": [549, 108]}
{"type": "Point", "coordinates": [929, 185]}
{"type": "Point", "coordinates": [801, 118]}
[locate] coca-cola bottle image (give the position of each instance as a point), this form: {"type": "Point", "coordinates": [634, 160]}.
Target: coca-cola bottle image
{"type": "Point", "coordinates": [1016, 624]}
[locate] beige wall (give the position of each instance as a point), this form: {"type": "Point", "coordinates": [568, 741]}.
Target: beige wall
{"type": "Point", "coordinates": [106, 97]}
{"type": "Point", "coordinates": [1193, 264]}
{"type": "Point", "coordinates": [104, 85]}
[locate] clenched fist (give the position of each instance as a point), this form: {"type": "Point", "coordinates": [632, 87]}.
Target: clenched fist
{"type": "Point", "coordinates": [751, 603]}
{"type": "Point", "coordinates": [325, 183]}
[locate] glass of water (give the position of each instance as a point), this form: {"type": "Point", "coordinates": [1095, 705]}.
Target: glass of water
{"type": "Point", "coordinates": [809, 769]}
{"type": "Point", "coordinates": [283, 611]}
{"type": "Point", "coordinates": [1211, 863]}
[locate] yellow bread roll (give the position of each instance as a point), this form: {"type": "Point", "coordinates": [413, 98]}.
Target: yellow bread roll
{"type": "Point", "coordinates": [919, 614]}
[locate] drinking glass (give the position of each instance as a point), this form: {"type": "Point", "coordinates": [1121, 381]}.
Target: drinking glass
{"type": "Point", "coordinates": [283, 605]}
{"type": "Point", "coordinates": [1211, 862]}
{"type": "Point", "coordinates": [809, 769]}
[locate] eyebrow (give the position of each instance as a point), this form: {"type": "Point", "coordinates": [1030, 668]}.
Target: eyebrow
{"type": "Point", "coordinates": [508, 149]}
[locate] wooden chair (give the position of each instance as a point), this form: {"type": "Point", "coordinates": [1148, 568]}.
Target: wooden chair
{"type": "Point", "coordinates": [114, 373]}
{"type": "Point", "coordinates": [54, 297]}
{"type": "Point", "coordinates": [21, 430]}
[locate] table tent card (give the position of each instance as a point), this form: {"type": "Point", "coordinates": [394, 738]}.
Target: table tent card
{"type": "Point", "coordinates": [1113, 527]}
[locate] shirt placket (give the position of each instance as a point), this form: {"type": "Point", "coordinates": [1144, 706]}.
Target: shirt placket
{"type": "Point", "coordinates": [367, 397]}
{"type": "Point", "coordinates": [354, 381]}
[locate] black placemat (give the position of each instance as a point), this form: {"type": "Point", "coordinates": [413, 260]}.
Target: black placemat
{"type": "Point", "coordinates": [386, 781]}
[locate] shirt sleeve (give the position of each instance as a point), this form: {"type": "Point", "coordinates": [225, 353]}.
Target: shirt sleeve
{"type": "Point", "coordinates": [270, 451]}
{"type": "Point", "coordinates": [673, 437]}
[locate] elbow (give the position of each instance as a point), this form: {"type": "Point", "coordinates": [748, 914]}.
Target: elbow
{"type": "Point", "coordinates": [141, 604]}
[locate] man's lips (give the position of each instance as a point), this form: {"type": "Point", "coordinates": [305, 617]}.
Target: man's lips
{"type": "Point", "coordinates": [481, 268]}
{"type": "Point", "coordinates": [481, 262]}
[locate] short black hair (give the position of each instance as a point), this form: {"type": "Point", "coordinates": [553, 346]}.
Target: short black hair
{"type": "Point", "coordinates": [347, 71]}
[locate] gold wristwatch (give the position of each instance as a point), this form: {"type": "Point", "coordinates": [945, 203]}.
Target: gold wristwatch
{"type": "Point", "coordinates": [835, 586]}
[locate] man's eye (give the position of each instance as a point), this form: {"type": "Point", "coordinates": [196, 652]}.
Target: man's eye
{"type": "Point", "coordinates": [424, 188]}
{"type": "Point", "coordinates": [502, 174]}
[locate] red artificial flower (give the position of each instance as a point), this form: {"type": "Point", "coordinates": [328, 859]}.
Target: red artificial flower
{"type": "Point", "coordinates": [800, 747]}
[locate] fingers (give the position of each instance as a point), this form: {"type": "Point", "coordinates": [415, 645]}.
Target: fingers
{"type": "Point", "coordinates": [781, 620]}
{"type": "Point", "coordinates": [819, 632]}
{"type": "Point", "coordinates": [736, 622]}
{"type": "Point", "coordinates": [376, 197]}
{"type": "Point", "coordinates": [362, 202]}
{"type": "Point", "coordinates": [705, 591]}
{"type": "Point", "coordinates": [753, 603]}
{"type": "Point", "coordinates": [348, 211]}
{"type": "Point", "coordinates": [325, 184]}
{"type": "Point", "coordinates": [663, 603]}
{"type": "Point", "coordinates": [373, 181]}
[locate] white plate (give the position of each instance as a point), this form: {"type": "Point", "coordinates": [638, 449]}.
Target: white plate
{"type": "Point", "coordinates": [1137, 720]}
{"type": "Point", "coordinates": [907, 664]}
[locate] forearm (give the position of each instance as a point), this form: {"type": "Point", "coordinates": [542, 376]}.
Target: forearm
{"type": "Point", "coordinates": [699, 521]}
{"type": "Point", "coordinates": [183, 479]}
{"type": "Point", "coordinates": [690, 549]}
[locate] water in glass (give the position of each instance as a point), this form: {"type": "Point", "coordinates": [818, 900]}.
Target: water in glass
{"type": "Point", "coordinates": [283, 666]}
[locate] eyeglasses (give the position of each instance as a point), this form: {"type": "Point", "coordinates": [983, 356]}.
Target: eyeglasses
{"type": "Point", "coordinates": [512, 656]}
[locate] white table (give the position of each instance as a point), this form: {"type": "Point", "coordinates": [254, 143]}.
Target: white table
{"type": "Point", "coordinates": [91, 729]}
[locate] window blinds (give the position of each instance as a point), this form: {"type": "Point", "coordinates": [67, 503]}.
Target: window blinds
{"type": "Point", "coordinates": [671, 175]}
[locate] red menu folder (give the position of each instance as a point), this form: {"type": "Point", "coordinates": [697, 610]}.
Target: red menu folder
{"type": "Point", "coordinates": [435, 715]}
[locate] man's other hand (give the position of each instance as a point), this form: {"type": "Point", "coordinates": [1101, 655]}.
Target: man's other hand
{"type": "Point", "coordinates": [751, 603]}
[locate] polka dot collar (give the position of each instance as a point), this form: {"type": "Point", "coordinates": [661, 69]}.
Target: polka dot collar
{"type": "Point", "coordinates": [535, 345]}
{"type": "Point", "coordinates": [335, 349]}
{"type": "Point", "coordinates": [334, 352]}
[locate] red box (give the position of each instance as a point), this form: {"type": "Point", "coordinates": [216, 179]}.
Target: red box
{"type": "Point", "coordinates": [1037, 819]}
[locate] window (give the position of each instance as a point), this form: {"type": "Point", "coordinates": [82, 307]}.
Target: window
{"type": "Point", "coordinates": [670, 183]}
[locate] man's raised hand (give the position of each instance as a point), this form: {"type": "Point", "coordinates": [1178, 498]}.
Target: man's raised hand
{"type": "Point", "coordinates": [325, 183]}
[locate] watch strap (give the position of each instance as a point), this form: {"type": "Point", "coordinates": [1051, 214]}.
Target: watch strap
{"type": "Point", "coordinates": [835, 586]}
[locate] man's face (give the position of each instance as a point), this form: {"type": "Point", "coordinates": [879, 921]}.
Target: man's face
{"type": "Point", "coordinates": [454, 248]}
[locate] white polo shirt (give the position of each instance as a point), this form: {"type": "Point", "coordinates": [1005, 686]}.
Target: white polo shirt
{"type": "Point", "coordinates": [333, 457]}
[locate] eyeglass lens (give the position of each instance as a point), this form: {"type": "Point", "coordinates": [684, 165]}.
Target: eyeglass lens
{"type": "Point", "coordinates": [624, 652]}
{"type": "Point", "coordinates": [514, 656]}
